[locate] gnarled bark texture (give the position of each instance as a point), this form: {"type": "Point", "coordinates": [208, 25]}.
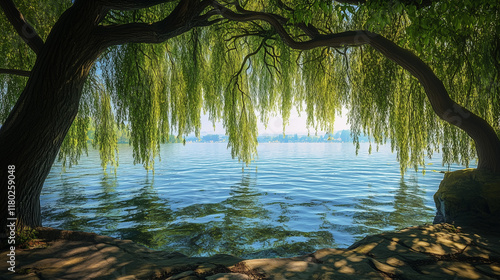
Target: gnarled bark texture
{"type": "Point", "coordinates": [33, 133]}
{"type": "Point", "coordinates": [31, 136]}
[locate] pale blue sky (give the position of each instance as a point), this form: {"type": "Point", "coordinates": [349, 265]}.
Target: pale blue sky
{"type": "Point", "coordinates": [297, 125]}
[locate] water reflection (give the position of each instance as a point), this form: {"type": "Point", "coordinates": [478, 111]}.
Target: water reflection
{"type": "Point", "coordinates": [409, 205]}
{"type": "Point", "coordinates": [399, 208]}
{"type": "Point", "coordinates": [67, 209]}
{"type": "Point", "coordinates": [144, 215]}
{"type": "Point", "coordinates": [200, 203]}
{"type": "Point", "coordinates": [107, 212]}
{"type": "Point", "coordinates": [241, 224]}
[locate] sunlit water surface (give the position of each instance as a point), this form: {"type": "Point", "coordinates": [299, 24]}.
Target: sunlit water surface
{"type": "Point", "coordinates": [294, 199]}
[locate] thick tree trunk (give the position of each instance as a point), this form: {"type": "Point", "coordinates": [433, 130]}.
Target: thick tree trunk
{"type": "Point", "coordinates": [31, 136]}
{"type": "Point", "coordinates": [485, 138]}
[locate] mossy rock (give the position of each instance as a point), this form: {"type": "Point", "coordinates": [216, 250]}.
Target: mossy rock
{"type": "Point", "coordinates": [469, 197]}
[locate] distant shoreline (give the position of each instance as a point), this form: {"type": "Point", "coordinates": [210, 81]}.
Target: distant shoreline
{"type": "Point", "coordinates": [343, 136]}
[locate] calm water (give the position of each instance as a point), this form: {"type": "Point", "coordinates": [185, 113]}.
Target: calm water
{"type": "Point", "coordinates": [295, 199]}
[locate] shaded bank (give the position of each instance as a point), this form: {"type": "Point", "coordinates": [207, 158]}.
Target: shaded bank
{"type": "Point", "coordinates": [426, 252]}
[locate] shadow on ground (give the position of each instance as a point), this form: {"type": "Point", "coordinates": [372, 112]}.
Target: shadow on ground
{"type": "Point", "coordinates": [425, 252]}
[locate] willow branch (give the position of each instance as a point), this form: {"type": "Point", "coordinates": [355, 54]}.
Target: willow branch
{"type": "Point", "coordinates": [17, 72]}
{"type": "Point", "coordinates": [308, 29]}
{"type": "Point", "coordinates": [129, 5]}
{"type": "Point", "coordinates": [477, 128]}
{"type": "Point", "coordinates": [348, 38]}
{"type": "Point", "coordinates": [248, 56]}
{"type": "Point", "coordinates": [22, 27]}
{"type": "Point", "coordinates": [403, 57]}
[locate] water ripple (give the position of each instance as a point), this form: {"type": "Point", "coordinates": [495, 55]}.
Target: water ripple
{"type": "Point", "coordinates": [294, 199]}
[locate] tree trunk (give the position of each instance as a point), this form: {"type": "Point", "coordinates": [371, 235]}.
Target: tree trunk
{"type": "Point", "coordinates": [485, 138]}
{"type": "Point", "coordinates": [33, 133]}
{"type": "Point", "coordinates": [31, 136]}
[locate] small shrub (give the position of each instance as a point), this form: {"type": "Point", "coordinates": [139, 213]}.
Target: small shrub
{"type": "Point", "coordinates": [24, 236]}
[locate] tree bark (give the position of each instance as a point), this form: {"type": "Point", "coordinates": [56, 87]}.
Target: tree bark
{"type": "Point", "coordinates": [22, 27]}
{"type": "Point", "coordinates": [485, 138]}
{"type": "Point", "coordinates": [15, 72]}
{"type": "Point", "coordinates": [31, 136]}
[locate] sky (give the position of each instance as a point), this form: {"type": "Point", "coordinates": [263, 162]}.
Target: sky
{"type": "Point", "coordinates": [297, 125]}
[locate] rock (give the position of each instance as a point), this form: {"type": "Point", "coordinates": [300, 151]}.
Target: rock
{"type": "Point", "coordinates": [228, 276]}
{"type": "Point", "coordinates": [489, 269]}
{"type": "Point", "coordinates": [452, 270]}
{"type": "Point", "coordinates": [223, 259]}
{"type": "Point", "coordinates": [389, 269]}
{"type": "Point", "coordinates": [283, 268]}
{"type": "Point", "coordinates": [181, 275]}
{"type": "Point", "coordinates": [469, 197]}
{"type": "Point", "coordinates": [206, 268]}
{"type": "Point", "coordinates": [324, 264]}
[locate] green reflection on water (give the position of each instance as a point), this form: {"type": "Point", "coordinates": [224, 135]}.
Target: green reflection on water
{"type": "Point", "coordinates": [240, 224]}
{"type": "Point", "coordinates": [407, 209]}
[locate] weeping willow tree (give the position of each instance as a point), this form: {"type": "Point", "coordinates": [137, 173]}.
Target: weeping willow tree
{"type": "Point", "coordinates": [422, 75]}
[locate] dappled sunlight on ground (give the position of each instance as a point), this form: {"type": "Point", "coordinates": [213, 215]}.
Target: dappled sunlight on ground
{"type": "Point", "coordinates": [425, 252]}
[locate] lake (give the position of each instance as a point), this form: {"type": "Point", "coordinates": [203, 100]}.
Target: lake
{"type": "Point", "coordinates": [296, 198]}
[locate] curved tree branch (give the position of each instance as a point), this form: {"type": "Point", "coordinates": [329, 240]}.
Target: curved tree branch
{"type": "Point", "coordinates": [23, 28]}
{"type": "Point", "coordinates": [15, 72]}
{"type": "Point", "coordinates": [184, 17]}
{"type": "Point", "coordinates": [484, 136]}
{"type": "Point", "coordinates": [129, 5]}
{"type": "Point", "coordinates": [342, 39]}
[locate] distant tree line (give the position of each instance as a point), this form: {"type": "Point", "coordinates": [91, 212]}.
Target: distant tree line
{"type": "Point", "coordinates": [123, 137]}
{"type": "Point", "coordinates": [339, 136]}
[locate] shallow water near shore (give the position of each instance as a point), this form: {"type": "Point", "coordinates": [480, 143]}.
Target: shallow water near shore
{"type": "Point", "coordinates": [296, 198]}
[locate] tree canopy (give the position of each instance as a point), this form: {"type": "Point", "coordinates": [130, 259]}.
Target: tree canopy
{"type": "Point", "coordinates": [238, 68]}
